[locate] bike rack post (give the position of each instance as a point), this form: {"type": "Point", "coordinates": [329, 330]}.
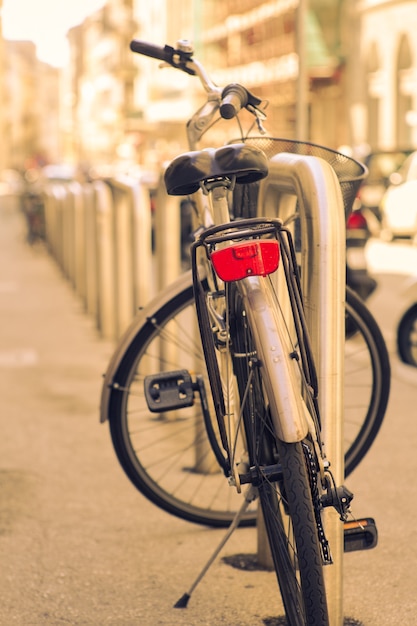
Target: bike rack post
{"type": "Point", "coordinates": [54, 196]}
{"type": "Point", "coordinates": [100, 235]}
{"type": "Point", "coordinates": [106, 314]}
{"type": "Point", "coordinates": [314, 183]}
{"type": "Point", "coordinates": [68, 227]}
{"type": "Point", "coordinates": [51, 220]}
{"type": "Point", "coordinates": [79, 246]}
{"type": "Point", "coordinates": [167, 236]}
{"type": "Point", "coordinates": [91, 251]}
{"type": "Point", "coordinates": [132, 248]}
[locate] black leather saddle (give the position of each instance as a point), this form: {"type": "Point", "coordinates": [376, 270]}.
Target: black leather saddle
{"type": "Point", "coordinates": [185, 173]}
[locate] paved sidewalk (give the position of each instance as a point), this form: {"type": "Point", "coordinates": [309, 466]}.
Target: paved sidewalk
{"type": "Point", "coordinates": [80, 546]}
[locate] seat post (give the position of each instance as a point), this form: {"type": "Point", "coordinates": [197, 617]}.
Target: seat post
{"type": "Point", "coordinates": [217, 191]}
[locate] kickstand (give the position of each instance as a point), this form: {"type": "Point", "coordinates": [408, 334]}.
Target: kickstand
{"type": "Point", "coordinates": [250, 496]}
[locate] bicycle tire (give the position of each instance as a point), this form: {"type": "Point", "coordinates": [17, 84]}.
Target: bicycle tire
{"type": "Point", "coordinates": [287, 504]}
{"type": "Point", "coordinates": [407, 337]}
{"type": "Point", "coordinates": [367, 380]}
{"type": "Point", "coordinates": [128, 442]}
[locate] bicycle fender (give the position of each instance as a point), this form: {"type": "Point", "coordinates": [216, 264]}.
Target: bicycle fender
{"type": "Point", "coordinates": [281, 376]}
{"type": "Point", "coordinates": [163, 298]}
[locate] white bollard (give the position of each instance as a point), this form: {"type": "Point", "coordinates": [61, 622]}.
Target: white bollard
{"type": "Point", "coordinates": [314, 183]}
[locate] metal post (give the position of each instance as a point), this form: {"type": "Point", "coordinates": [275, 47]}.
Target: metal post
{"type": "Point", "coordinates": [314, 183]}
{"type": "Point", "coordinates": [106, 280]}
{"type": "Point", "coordinates": [167, 237]}
{"type": "Point", "coordinates": [79, 246]}
{"type": "Point", "coordinates": [122, 203]}
{"type": "Point", "coordinates": [132, 232]}
{"type": "Point", "coordinates": [142, 244]}
{"type": "Point", "coordinates": [91, 251]}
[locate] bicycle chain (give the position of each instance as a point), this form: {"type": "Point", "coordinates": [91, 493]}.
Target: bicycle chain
{"type": "Point", "coordinates": [312, 470]}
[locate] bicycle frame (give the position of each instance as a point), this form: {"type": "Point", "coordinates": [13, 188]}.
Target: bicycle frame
{"type": "Point", "coordinates": [322, 270]}
{"type": "Point", "coordinates": [217, 212]}
{"type": "Point", "coordinates": [291, 418]}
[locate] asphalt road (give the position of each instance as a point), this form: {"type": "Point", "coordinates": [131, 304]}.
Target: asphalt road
{"type": "Point", "coordinates": [79, 545]}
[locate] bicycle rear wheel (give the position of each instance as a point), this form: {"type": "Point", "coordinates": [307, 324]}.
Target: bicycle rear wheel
{"type": "Point", "coordinates": [367, 381]}
{"type": "Point", "coordinates": [289, 495]}
{"type": "Point", "coordinates": [168, 457]}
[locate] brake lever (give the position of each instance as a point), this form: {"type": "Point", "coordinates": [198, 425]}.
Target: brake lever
{"type": "Point", "coordinates": [180, 57]}
{"type": "Point", "coordinates": [259, 116]}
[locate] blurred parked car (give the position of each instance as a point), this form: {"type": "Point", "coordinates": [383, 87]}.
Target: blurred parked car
{"type": "Point", "coordinates": [399, 203]}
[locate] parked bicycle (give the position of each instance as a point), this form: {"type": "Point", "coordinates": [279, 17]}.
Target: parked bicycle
{"type": "Point", "coordinates": [200, 405]}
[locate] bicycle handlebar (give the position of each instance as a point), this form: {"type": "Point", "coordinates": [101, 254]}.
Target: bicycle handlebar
{"type": "Point", "coordinates": [232, 99]}
{"type": "Point", "coordinates": [151, 50]}
{"type": "Point", "coordinates": [177, 58]}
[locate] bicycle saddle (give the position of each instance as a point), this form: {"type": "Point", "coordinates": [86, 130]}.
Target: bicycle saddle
{"type": "Point", "coordinates": [185, 173]}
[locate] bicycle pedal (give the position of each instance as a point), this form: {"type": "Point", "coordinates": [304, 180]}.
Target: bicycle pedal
{"type": "Point", "coordinates": [360, 534]}
{"type": "Point", "coordinates": [168, 391]}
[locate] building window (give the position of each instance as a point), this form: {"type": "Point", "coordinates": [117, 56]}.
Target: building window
{"type": "Point", "coordinates": [404, 92]}
{"type": "Point", "coordinates": [374, 95]}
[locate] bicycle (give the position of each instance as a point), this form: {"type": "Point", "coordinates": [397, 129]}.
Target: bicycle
{"type": "Point", "coordinates": [366, 370]}
{"type": "Point", "coordinates": [254, 413]}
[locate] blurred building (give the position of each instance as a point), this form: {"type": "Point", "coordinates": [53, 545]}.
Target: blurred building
{"type": "Point", "coordinates": [356, 58]}
{"type": "Point", "coordinates": [120, 106]}
{"type": "Point", "coordinates": [31, 102]}
{"type": "Point", "coordinates": [99, 86]}
{"type": "Point", "coordinates": [3, 147]}
{"type": "Point", "coordinates": [262, 45]}
{"type": "Point", "coordinates": [253, 42]}
{"type": "Point", "coordinates": [164, 99]}
{"type": "Point", "coordinates": [384, 86]}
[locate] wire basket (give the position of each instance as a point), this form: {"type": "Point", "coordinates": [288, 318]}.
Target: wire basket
{"type": "Point", "coordinates": [349, 172]}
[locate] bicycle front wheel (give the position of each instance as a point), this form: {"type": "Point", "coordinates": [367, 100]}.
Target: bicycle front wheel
{"type": "Point", "coordinates": [288, 513]}
{"type": "Point", "coordinates": [286, 474]}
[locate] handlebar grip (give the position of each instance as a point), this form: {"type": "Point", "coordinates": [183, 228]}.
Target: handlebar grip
{"type": "Point", "coordinates": [234, 98]}
{"type": "Point", "coordinates": [151, 50]}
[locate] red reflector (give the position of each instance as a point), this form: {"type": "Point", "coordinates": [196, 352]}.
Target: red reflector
{"type": "Point", "coordinates": [253, 258]}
